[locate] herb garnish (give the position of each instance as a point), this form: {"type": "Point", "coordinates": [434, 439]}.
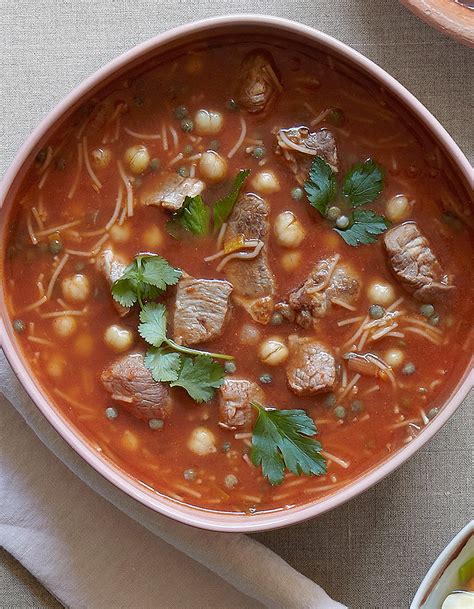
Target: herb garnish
{"type": "Point", "coordinates": [146, 278]}
{"type": "Point", "coordinates": [282, 439]}
{"type": "Point", "coordinates": [362, 184]}
{"type": "Point", "coordinates": [194, 215]}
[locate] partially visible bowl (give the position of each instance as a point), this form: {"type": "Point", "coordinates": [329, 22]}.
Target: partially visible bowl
{"type": "Point", "coordinates": [455, 18]}
{"type": "Point", "coordinates": [442, 579]}
{"type": "Point", "coordinates": [252, 24]}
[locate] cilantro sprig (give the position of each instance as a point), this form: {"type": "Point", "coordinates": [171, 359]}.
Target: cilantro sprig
{"type": "Point", "coordinates": [283, 439]}
{"type": "Point", "coordinates": [146, 278]}
{"type": "Point", "coordinates": [195, 216]}
{"type": "Point", "coordinates": [362, 184]}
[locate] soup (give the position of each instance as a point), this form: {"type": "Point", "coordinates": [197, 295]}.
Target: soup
{"type": "Point", "coordinates": [243, 274]}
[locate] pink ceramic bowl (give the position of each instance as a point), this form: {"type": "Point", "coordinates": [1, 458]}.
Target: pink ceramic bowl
{"type": "Point", "coordinates": [177, 37]}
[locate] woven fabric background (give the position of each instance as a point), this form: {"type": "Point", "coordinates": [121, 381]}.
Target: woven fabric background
{"type": "Point", "coordinates": [373, 552]}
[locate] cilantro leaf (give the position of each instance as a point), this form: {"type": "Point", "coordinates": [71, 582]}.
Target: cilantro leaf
{"type": "Point", "coordinates": [153, 324]}
{"type": "Point", "coordinates": [363, 183]}
{"type": "Point", "coordinates": [282, 440]}
{"type": "Point", "coordinates": [163, 365]}
{"type": "Point", "coordinates": [200, 377]}
{"type": "Point", "coordinates": [321, 186]}
{"type": "Point", "coordinates": [194, 216]}
{"type": "Point", "coordinates": [224, 206]}
{"type": "Point", "coordinates": [144, 279]}
{"type": "Point", "coordinates": [365, 223]}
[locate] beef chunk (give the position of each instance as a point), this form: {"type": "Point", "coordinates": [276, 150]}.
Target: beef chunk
{"type": "Point", "coordinates": [235, 397]}
{"type": "Point", "coordinates": [202, 308]}
{"type": "Point", "coordinates": [311, 367]}
{"type": "Point", "coordinates": [259, 83]}
{"type": "Point", "coordinates": [414, 264]}
{"type": "Point", "coordinates": [169, 190]}
{"type": "Point", "coordinates": [313, 298]}
{"type": "Point", "coordinates": [131, 383]}
{"type": "Point", "coordinates": [110, 265]}
{"type": "Point", "coordinates": [252, 279]}
{"type": "Point", "coordinates": [299, 144]}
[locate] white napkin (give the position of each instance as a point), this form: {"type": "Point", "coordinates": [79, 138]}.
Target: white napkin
{"type": "Point", "coordinates": [90, 554]}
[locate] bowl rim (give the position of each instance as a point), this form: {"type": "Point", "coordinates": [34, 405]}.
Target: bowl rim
{"type": "Point", "coordinates": [219, 521]}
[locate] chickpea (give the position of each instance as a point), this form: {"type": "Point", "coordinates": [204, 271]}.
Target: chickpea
{"type": "Point", "coordinates": [381, 293]}
{"type": "Point", "coordinates": [75, 288]}
{"type": "Point", "coordinates": [129, 440]}
{"type": "Point", "coordinates": [64, 326]}
{"type": "Point", "coordinates": [398, 208]}
{"type": "Point", "coordinates": [137, 158]}
{"type": "Point", "coordinates": [120, 234]}
{"type": "Point", "coordinates": [212, 166]}
{"type": "Point", "coordinates": [208, 122]}
{"type": "Point", "coordinates": [394, 357]}
{"type": "Point", "coordinates": [266, 182]}
{"type": "Point", "coordinates": [290, 261]}
{"type": "Point", "coordinates": [55, 366]}
{"type": "Point", "coordinates": [249, 334]}
{"type": "Point", "coordinates": [153, 237]}
{"type": "Point", "coordinates": [84, 345]}
{"type": "Point", "coordinates": [202, 441]}
{"type": "Point", "coordinates": [101, 157]}
{"type": "Point", "coordinates": [118, 338]}
{"type": "Point", "coordinates": [288, 229]}
{"type": "Point", "coordinates": [273, 351]}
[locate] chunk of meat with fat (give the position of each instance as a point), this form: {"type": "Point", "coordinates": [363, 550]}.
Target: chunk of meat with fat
{"type": "Point", "coordinates": [235, 398]}
{"type": "Point", "coordinates": [259, 83]}
{"type": "Point", "coordinates": [112, 268]}
{"type": "Point", "coordinates": [252, 279]}
{"type": "Point", "coordinates": [130, 383]}
{"type": "Point", "coordinates": [414, 263]}
{"type": "Point", "coordinates": [311, 367]}
{"type": "Point", "coordinates": [202, 309]}
{"type": "Point", "coordinates": [299, 145]}
{"type": "Point", "coordinates": [169, 190]}
{"type": "Point", "coordinates": [328, 283]}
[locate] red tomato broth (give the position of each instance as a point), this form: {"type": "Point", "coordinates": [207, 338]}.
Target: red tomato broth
{"type": "Point", "coordinates": [373, 126]}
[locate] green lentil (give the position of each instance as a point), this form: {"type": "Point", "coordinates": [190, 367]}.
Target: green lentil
{"type": "Point", "coordinates": [266, 379]}
{"type": "Point", "coordinates": [60, 163]}
{"type": "Point", "coordinates": [19, 325]}
{"type": "Point", "coordinates": [357, 406]}
{"type": "Point", "coordinates": [432, 413]}
{"type": "Point", "coordinates": [138, 100]}
{"type": "Point", "coordinates": [181, 112]}
{"type": "Point", "coordinates": [297, 193]}
{"type": "Point", "coordinates": [434, 321]}
{"type": "Point", "coordinates": [330, 400]}
{"type": "Point", "coordinates": [336, 116]}
{"type": "Point", "coordinates": [230, 367]}
{"type": "Point", "coordinates": [333, 213]}
{"type": "Point", "coordinates": [231, 481]}
{"type": "Point", "coordinates": [214, 145]}
{"type": "Point", "coordinates": [277, 319]}
{"type": "Point", "coordinates": [154, 164]}
{"type": "Point", "coordinates": [41, 156]}
{"type": "Point", "coordinates": [233, 105]}
{"type": "Point", "coordinates": [427, 310]}
{"type": "Point", "coordinates": [408, 369]}
{"type": "Point", "coordinates": [188, 150]}
{"type": "Point", "coordinates": [342, 222]}
{"type": "Point", "coordinates": [187, 125]}
{"type": "Point", "coordinates": [258, 152]}
{"type": "Point", "coordinates": [340, 412]}
{"type": "Point", "coordinates": [226, 447]}
{"type": "Point", "coordinates": [55, 246]}
{"type": "Point", "coordinates": [111, 413]}
{"type": "Point", "coordinates": [376, 311]}
{"type": "Point", "coordinates": [422, 390]}
{"type": "Point", "coordinates": [190, 474]}
{"type": "Point", "coordinates": [183, 172]}
{"type": "Point", "coordinates": [156, 424]}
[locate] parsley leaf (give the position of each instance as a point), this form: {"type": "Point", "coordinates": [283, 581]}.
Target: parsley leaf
{"type": "Point", "coordinates": [365, 223]}
{"type": "Point", "coordinates": [282, 440]}
{"type": "Point", "coordinates": [153, 324]}
{"type": "Point", "coordinates": [200, 377]}
{"type": "Point", "coordinates": [163, 365]}
{"type": "Point", "coordinates": [224, 206]}
{"type": "Point", "coordinates": [144, 279]}
{"type": "Point", "coordinates": [321, 185]}
{"type": "Point", "coordinates": [194, 216]}
{"type": "Point", "coordinates": [363, 183]}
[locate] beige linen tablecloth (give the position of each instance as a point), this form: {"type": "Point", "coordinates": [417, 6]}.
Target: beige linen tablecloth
{"type": "Point", "coordinates": [372, 552]}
